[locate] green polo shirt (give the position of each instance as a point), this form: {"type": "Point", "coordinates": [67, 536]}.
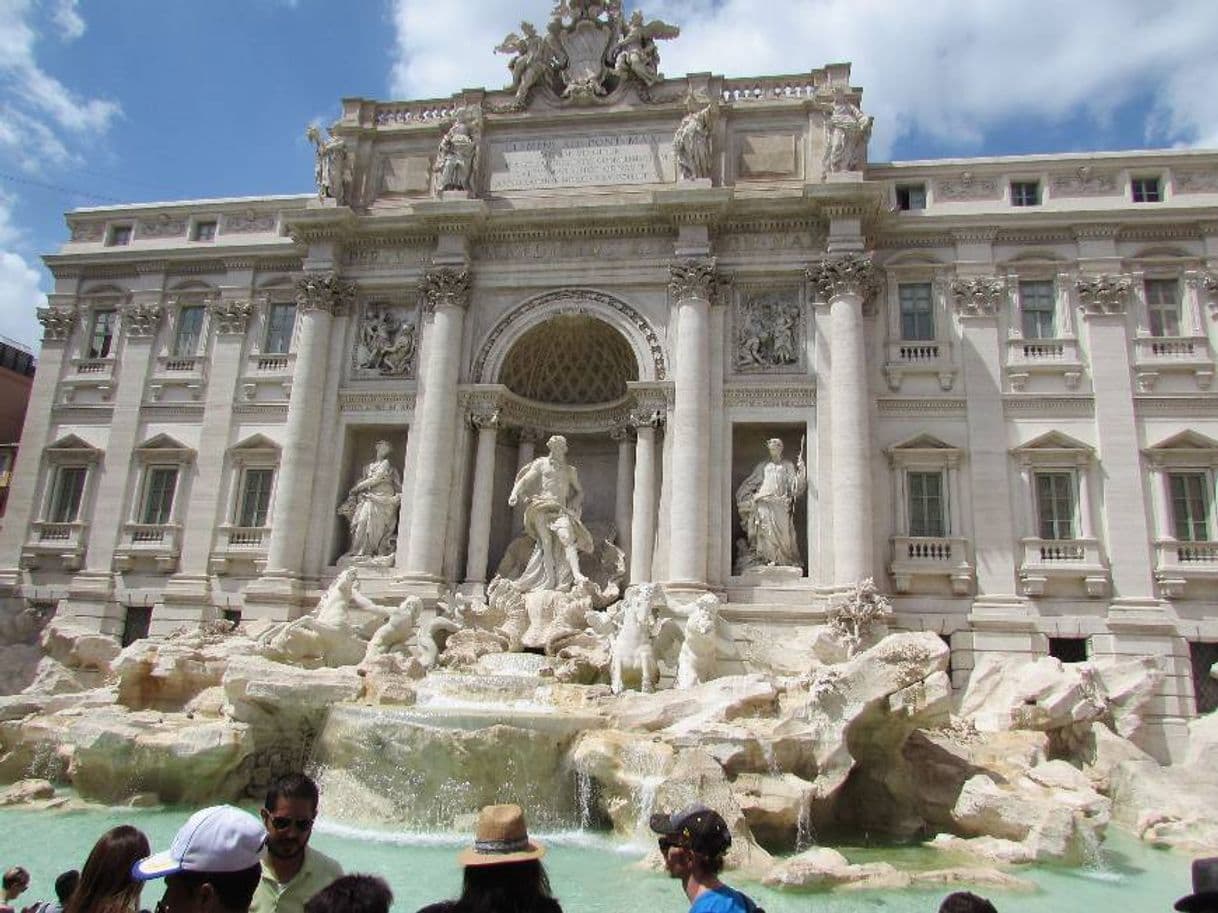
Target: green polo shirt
{"type": "Point", "coordinates": [316, 873]}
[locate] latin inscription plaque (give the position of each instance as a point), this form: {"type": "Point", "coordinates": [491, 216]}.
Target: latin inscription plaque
{"type": "Point", "coordinates": [581, 161]}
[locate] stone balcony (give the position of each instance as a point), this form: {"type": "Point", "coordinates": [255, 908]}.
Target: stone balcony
{"type": "Point", "coordinates": [931, 556]}
{"type": "Point", "coordinates": [240, 546]}
{"type": "Point", "coordinates": [271, 371]}
{"type": "Point", "coordinates": [1176, 563]}
{"type": "Point", "coordinates": [910, 356]}
{"type": "Point", "coordinates": [89, 374]}
{"type": "Point", "coordinates": [63, 542]}
{"type": "Point", "coordinates": [187, 373]}
{"type": "Point", "coordinates": [1045, 559]}
{"type": "Point", "coordinates": [159, 543]}
{"type": "Point", "coordinates": [1157, 355]}
{"type": "Point", "coordinates": [1026, 357]}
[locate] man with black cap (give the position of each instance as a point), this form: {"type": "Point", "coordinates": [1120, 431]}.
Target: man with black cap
{"type": "Point", "coordinates": [1204, 898]}
{"type": "Point", "coordinates": [693, 843]}
{"type": "Point", "coordinates": [213, 864]}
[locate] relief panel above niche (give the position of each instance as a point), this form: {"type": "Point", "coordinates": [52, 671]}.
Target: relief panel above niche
{"type": "Point", "coordinates": [405, 174]}
{"type": "Point", "coordinates": [764, 156]}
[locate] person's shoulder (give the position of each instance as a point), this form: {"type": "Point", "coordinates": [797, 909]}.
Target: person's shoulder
{"type": "Point", "coordinates": [444, 906]}
{"type": "Point", "coordinates": [723, 899]}
{"type": "Point", "coordinates": [325, 864]}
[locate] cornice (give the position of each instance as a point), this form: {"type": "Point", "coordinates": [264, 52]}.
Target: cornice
{"type": "Point", "coordinates": [1184, 406]}
{"type": "Point", "coordinates": [788, 395]}
{"type": "Point", "coordinates": [376, 401]}
{"type": "Point", "coordinates": [1078, 406]}
{"type": "Point", "coordinates": [911, 405]}
{"type": "Point", "coordinates": [323, 223]}
{"type": "Point", "coordinates": [83, 415]}
{"type": "Point", "coordinates": [263, 410]}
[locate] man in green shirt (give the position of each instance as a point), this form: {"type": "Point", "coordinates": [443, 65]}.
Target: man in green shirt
{"type": "Point", "coordinates": [292, 872]}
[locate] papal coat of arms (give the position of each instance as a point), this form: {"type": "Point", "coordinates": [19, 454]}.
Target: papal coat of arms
{"type": "Point", "coordinates": [588, 50]}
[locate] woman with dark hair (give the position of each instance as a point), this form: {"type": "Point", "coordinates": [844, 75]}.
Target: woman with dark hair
{"type": "Point", "coordinates": [106, 885]}
{"type": "Point", "coordinates": [503, 870]}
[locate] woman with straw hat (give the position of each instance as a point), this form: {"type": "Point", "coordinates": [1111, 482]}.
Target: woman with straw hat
{"type": "Point", "coordinates": [503, 870]}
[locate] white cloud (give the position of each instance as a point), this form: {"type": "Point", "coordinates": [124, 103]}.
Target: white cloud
{"type": "Point", "coordinates": [30, 90]}
{"type": "Point", "coordinates": [68, 20]}
{"type": "Point", "coordinates": [20, 295]}
{"type": "Point", "coordinates": [953, 69]}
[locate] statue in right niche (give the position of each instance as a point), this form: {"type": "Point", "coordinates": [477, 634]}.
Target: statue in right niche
{"type": "Point", "coordinates": [766, 502]}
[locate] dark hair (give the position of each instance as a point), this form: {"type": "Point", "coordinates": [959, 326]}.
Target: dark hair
{"type": "Point", "coordinates": [352, 894]}
{"type": "Point", "coordinates": [106, 885]}
{"type": "Point", "coordinates": [965, 902]}
{"type": "Point", "coordinates": [15, 876]}
{"type": "Point", "coordinates": [65, 884]}
{"type": "Point", "coordinates": [509, 887]}
{"type": "Point", "coordinates": [291, 786]}
{"type": "Point", "coordinates": [234, 890]}
{"type": "Point", "coordinates": [710, 865]}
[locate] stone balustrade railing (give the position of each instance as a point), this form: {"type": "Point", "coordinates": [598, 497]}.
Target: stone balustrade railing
{"type": "Point", "coordinates": [1150, 349]}
{"type": "Point", "coordinates": [1041, 351]}
{"type": "Point", "coordinates": [772, 88]}
{"type": "Point", "coordinates": [913, 352]}
{"type": "Point", "coordinates": [1180, 556]}
{"type": "Point", "coordinates": [415, 112]}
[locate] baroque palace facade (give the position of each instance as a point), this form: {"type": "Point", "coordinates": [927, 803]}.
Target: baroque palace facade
{"type": "Point", "coordinates": [998, 372]}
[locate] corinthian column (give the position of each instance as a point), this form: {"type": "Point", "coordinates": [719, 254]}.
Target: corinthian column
{"type": "Point", "coordinates": [623, 496]}
{"type": "Point", "coordinates": [445, 293]}
{"type": "Point", "coordinates": [692, 285]}
{"type": "Point", "coordinates": [320, 297]}
{"type": "Point", "coordinates": [846, 282]}
{"type": "Point", "coordinates": [643, 504]}
{"type": "Point", "coordinates": [487, 424]}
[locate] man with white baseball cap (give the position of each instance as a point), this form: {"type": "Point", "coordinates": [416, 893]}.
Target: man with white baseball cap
{"type": "Point", "coordinates": [212, 866]}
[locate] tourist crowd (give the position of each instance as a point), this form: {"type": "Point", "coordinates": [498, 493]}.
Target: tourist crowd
{"type": "Point", "coordinates": [224, 860]}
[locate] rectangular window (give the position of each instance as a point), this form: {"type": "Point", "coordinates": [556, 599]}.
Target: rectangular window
{"type": "Point", "coordinates": [66, 494]}
{"type": "Point", "coordinates": [101, 333]}
{"type": "Point", "coordinates": [136, 623]}
{"type": "Point", "coordinates": [1036, 310]}
{"type": "Point", "coordinates": [1025, 193]}
{"type": "Point", "coordinates": [159, 487]}
{"type": "Point", "coordinates": [1202, 657]}
{"type": "Point", "coordinates": [911, 196]}
{"type": "Point", "coordinates": [1068, 649]}
{"type": "Point", "coordinates": [190, 326]}
{"type": "Point", "coordinates": [1146, 190]}
{"type": "Point", "coordinates": [1055, 504]}
{"type": "Point", "coordinates": [119, 236]}
{"type": "Point", "coordinates": [279, 322]}
{"type": "Point", "coordinates": [926, 513]}
{"type": "Point", "coordinates": [204, 231]}
{"type": "Point", "coordinates": [1163, 306]}
{"type": "Point", "coordinates": [917, 312]}
{"type": "Point", "coordinates": [255, 497]}
{"type": "Point", "coordinates": [1190, 506]}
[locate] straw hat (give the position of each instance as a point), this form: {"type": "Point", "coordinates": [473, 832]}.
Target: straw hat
{"type": "Point", "coordinates": [501, 837]}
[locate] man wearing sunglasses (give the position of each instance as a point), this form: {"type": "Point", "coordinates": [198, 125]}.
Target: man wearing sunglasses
{"type": "Point", "coordinates": [292, 871]}
{"type": "Point", "coordinates": [694, 842]}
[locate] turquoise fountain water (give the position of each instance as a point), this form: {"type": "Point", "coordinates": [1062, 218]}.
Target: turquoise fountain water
{"type": "Point", "coordinates": [595, 873]}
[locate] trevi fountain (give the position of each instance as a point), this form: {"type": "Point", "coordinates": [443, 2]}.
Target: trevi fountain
{"type": "Point", "coordinates": [881, 730]}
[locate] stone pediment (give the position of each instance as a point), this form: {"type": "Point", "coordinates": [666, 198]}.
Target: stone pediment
{"type": "Point", "coordinates": [72, 442]}
{"type": "Point", "coordinates": [1054, 441]}
{"type": "Point", "coordinates": [923, 442]}
{"type": "Point", "coordinates": [1186, 440]}
{"type": "Point", "coordinates": [256, 442]}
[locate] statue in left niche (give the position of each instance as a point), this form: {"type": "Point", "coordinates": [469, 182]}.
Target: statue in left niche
{"type": "Point", "coordinates": [371, 509]}
{"type": "Point", "coordinates": [330, 170]}
{"type": "Point", "coordinates": [766, 502]}
{"type": "Point", "coordinates": [458, 152]}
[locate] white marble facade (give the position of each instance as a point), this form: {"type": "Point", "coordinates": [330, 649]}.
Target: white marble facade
{"type": "Point", "coordinates": [1000, 371]}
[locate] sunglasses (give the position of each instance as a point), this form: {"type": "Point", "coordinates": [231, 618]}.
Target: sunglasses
{"type": "Point", "coordinates": [282, 823]}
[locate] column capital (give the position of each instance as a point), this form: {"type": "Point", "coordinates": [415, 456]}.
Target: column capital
{"type": "Point", "coordinates": [1203, 280]}
{"type": "Point", "coordinates": [324, 291]}
{"type": "Point", "coordinates": [1104, 294]}
{"type": "Point", "coordinates": [486, 418]}
{"type": "Point", "coordinates": [445, 287]}
{"type": "Point", "coordinates": [694, 277]}
{"type": "Point", "coordinates": [230, 317]}
{"type": "Point", "coordinates": [621, 433]}
{"type": "Point", "coordinates": [978, 296]}
{"type": "Point", "coordinates": [57, 322]}
{"type": "Point", "coordinates": [646, 417]}
{"type": "Point", "coordinates": [140, 320]}
{"type": "Point", "coordinates": [849, 274]}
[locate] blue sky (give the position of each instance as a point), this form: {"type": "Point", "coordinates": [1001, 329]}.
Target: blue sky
{"type": "Point", "coordinates": [106, 101]}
